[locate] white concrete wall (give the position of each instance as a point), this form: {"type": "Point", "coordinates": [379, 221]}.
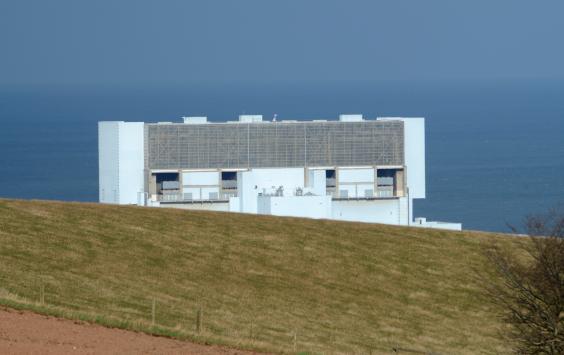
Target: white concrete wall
{"type": "Point", "coordinates": [415, 156]}
{"type": "Point", "coordinates": [121, 161]}
{"type": "Point", "coordinates": [201, 184]}
{"type": "Point", "coordinates": [234, 204]}
{"type": "Point", "coordinates": [201, 193]}
{"type": "Point", "coordinates": [263, 205]}
{"type": "Point", "coordinates": [423, 222]}
{"type": "Point", "coordinates": [200, 178]}
{"type": "Point", "coordinates": [252, 182]}
{"type": "Point", "coordinates": [297, 206]}
{"type": "Point", "coordinates": [355, 181]}
{"type": "Point", "coordinates": [108, 162]}
{"type": "Point", "coordinates": [371, 211]}
{"type": "Point", "coordinates": [356, 175]}
{"type": "Point", "coordinates": [289, 178]}
{"type": "Point", "coordinates": [131, 162]}
{"type": "Point", "coordinates": [195, 191]}
{"type": "Point", "coordinates": [247, 192]}
{"type": "Point", "coordinates": [317, 182]}
{"type": "Point", "coordinates": [355, 191]}
{"type": "Point", "coordinates": [405, 211]}
{"type": "Point", "coordinates": [208, 191]}
{"type": "Point", "coordinates": [216, 206]}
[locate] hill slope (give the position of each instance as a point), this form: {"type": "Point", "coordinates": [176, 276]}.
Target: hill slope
{"type": "Point", "coordinates": [275, 284]}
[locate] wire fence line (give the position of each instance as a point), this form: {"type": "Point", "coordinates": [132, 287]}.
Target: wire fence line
{"type": "Point", "coordinates": [197, 322]}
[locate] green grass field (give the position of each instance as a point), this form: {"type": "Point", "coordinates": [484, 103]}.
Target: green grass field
{"type": "Point", "coordinates": [266, 283]}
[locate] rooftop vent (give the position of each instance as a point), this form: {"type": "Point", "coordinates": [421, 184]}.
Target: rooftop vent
{"type": "Point", "coordinates": [250, 118]}
{"type": "Point", "coordinates": [350, 118]}
{"type": "Point", "coordinates": [195, 119]}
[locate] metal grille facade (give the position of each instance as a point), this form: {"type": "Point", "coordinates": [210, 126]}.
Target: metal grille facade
{"type": "Point", "coordinates": [273, 144]}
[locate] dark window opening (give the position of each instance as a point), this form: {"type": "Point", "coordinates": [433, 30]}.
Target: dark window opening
{"type": "Point", "coordinates": [330, 178]}
{"type": "Point", "coordinates": [229, 180]}
{"type": "Point", "coordinates": [386, 173]}
{"type": "Point", "coordinates": [167, 182]}
{"type": "Point", "coordinates": [166, 177]}
{"type": "Point", "coordinates": [228, 175]}
{"type": "Point", "coordinates": [386, 181]}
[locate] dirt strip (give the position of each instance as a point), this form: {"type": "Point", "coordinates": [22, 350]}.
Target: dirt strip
{"type": "Point", "coordinates": [30, 333]}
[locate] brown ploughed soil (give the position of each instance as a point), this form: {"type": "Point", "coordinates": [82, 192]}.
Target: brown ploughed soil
{"type": "Point", "coordinates": [30, 333]}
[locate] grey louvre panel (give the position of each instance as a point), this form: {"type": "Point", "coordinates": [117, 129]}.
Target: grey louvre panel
{"type": "Point", "coordinates": [170, 185]}
{"type": "Point", "coordinates": [271, 145]}
{"type": "Point", "coordinates": [382, 181]}
{"type": "Point", "coordinates": [229, 184]}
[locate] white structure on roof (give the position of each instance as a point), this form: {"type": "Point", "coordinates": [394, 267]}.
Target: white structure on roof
{"type": "Point", "coordinates": [352, 169]}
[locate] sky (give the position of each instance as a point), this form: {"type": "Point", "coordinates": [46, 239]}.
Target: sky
{"type": "Point", "coordinates": [77, 42]}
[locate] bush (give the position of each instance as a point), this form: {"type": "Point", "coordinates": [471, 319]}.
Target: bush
{"type": "Point", "coordinates": [530, 291]}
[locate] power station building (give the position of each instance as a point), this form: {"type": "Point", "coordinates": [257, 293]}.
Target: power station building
{"type": "Point", "coordinates": [353, 169]}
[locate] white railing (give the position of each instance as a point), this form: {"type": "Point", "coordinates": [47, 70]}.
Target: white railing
{"type": "Point", "coordinates": [179, 197]}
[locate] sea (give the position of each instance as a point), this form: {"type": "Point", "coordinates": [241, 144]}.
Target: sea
{"type": "Point", "coordinates": [494, 150]}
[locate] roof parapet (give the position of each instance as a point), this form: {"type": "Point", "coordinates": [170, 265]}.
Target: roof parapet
{"type": "Point", "coordinates": [351, 118]}
{"type": "Point", "coordinates": [195, 119]}
{"type": "Point", "coordinates": [250, 118]}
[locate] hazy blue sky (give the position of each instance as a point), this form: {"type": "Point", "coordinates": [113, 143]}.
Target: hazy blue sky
{"type": "Point", "coordinates": [165, 42]}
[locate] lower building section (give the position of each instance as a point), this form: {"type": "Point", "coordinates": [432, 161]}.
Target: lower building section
{"type": "Point", "coordinates": [213, 206]}
{"type": "Point", "coordinates": [422, 222]}
{"type": "Point", "coordinates": [310, 206]}
{"type": "Point", "coordinates": [386, 211]}
{"type": "Point", "coordinates": [360, 194]}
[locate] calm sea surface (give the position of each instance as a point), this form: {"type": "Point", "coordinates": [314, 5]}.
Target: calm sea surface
{"type": "Point", "coordinates": [495, 152]}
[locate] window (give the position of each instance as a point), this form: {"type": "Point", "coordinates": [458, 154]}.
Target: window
{"type": "Point", "coordinates": [229, 180]}
{"type": "Point", "coordinates": [330, 178]}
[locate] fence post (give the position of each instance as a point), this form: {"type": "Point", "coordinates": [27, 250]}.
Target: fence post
{"type": "Point", "coordinates": [199, 320]}
{"type": "Point", "coordinates": [153, 313]}
{"type": "Point", "coordinates": [42, 293]}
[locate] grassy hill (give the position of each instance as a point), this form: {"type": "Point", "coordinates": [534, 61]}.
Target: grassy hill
{"type": "Point", "coordinates": [268, 283]}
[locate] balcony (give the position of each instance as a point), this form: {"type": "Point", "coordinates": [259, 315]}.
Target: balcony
{"type": "Point", "coordinates": [229, 184]}
{"type": "Point", "coordinates": [381, 192]}
{"type": "Point", "coordinates": [177, 197]}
